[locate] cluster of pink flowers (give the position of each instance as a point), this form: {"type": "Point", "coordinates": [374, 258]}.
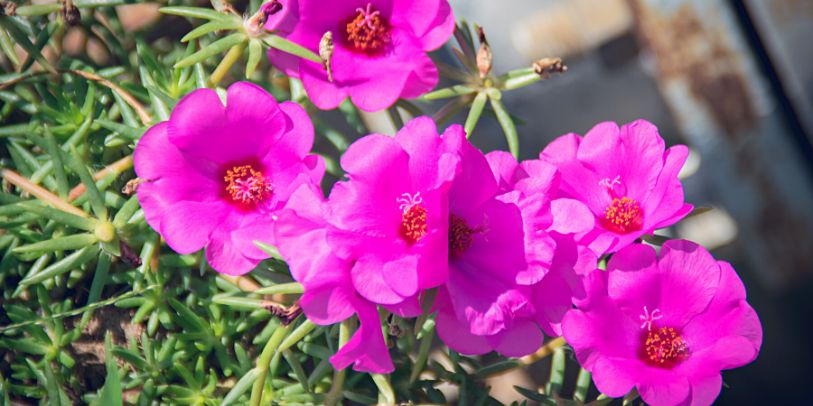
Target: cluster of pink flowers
{"type": "Point", "coordinates": [509, 249]}
{"type": "Point", "coordinates": [501, 252]}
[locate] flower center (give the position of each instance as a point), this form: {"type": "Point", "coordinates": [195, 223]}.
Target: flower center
{"type": "Point", "coordinates": [413, 224]}
{"type": "Point", "coordinates": [246, 186]}
{"type": "Point", "coordinates": [459, 235]}
{"type": "Point", "coordinates": [664, 347]}
{"type": "Point", "coordinates": [367, 32]}
{"type": "Point", "coordinates": [623, 215]}
{"type": "Point", "coordinates": [413, 217]}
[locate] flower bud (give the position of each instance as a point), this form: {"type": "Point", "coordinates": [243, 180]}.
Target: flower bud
{"type": "Point", "coordinates": [326, 52]}
{"type": "Point", "coordinates": [484, 57]}
{"type": "Point", "coordinates": [70, 14]}
{"type": "Point", "coordinates": [547, 66]}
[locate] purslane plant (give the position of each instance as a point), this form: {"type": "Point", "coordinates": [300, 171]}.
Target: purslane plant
{"type": "Point", "coordinates": [276, 280]}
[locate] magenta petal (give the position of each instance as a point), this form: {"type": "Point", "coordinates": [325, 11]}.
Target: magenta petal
{"type": "Point", "coordinates": [571, 216]}
{"type": "Point", "coordinates": [667, 194]}
{"type": "Point", "coordinates": [474, 185]}
{"type": "Point", "coordinates": [455, 333]}
{"type": "Point", "coordinates": [372, 82]}
{"type": "Point", "coordinates": [155, 157]}
{"type": "Point", "coordinates": [327, 303]}
{"type": "Point", "coordinates": [725, 353]}
{"type": "Point", "coordinates": [285, 19]}
{"type": "Point", "coordinates": [226, 257]}
{"type": "Point", "coordinates": [369, 202]}
{"type": "Point", "coordinates": [643, 150]}
{"type": "Point", "coordinates": [562, 149]}
{"type": "Point", "coordinates": [601, 329]}
{"type": "Point", "coordinates": [552, 300]}
{"type": "Point", "coordinates": [186, 226]}
{"type": "Point", "coordinates": [728, 312]}
{"type": "Point", "coordinates": [705, 390]}
{"type": "Point", "coordinates": [300, 229]}
{"type": "Point", "coordinates": [323, 93]}
{"type": "Point", "coordinates": [409, 308]}
{"type": "Point", "coordinates": [153, 203]}
{"type": "Point", "coordinates": [675, 217]}
{"type": "Point", "coordinates": [429, 166]}
{"type": "Point", "coordinates": [364, 157]}
{"type": "Point", "coordinates": [523, 338]}
{"type": "Point", "coordinates": [504, 166]}
{"type": "Point", "coordinates": [298, 139]}
{"type": "Point", "coordinates": [170, 177]}
{"type": "Point", "coordinates": [200, 115]}
{"type": "Point", "coordinates": [690, 279]}
{"type": "Point", "coordinates": [255, 229]}
{"type": "Point", "coordinates": [255, 120]}
{"type": "Point", "coordinates": [668, 392]}
{"type": "Point", "coordinates": [614, 377]}
{"type": "Point", "coordinates": [681, 287]}
{"type": "Point", "coordinates": [601, 142]}
{"type": "Point", "coordinates": [423, 78]}
{"type": "Point", "coordinates": [485, 301]}
{"type": "Point", "coordinates": [401, 275]}
{"type": "Point", "coordinates": [368, 279]}
{"type": "Point", "coordinates": [416, 14]}
{"type": "Point", "coordinates": [442, 28]}
{"type": "Point", "coordinates": [366, 350]}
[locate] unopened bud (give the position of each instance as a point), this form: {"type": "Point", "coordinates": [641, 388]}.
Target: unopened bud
{"type": "Point", "coordinates": [8, 8]}
{"type": "Point", "coordinates": [271, 8]}
{"type": "Point", "coordinates": [326, 53]}
{"type": "Point", "coordinates": [484, 57]}
{"type": "Point", "coordinates": [105, 231]}
{"type": "Point", "coordinates": [286, 315]}
{"type": "Point", "coordinates": [131, 186]}
{"type": "Point", "coordinates": [70, 14]}
{"type": "Point", "coordinates": [128, 255]}
{"type": "Point", "coordinates": [547, 66]}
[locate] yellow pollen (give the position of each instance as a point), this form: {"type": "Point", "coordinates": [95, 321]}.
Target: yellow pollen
{"type": "Point", "coordinates": [460, 238]}
{"type": "Point", "coordinates": [623, 215]}
{"type": "Point", "coordinates": [413, 223]}
{"type": "Point", "coordinates": [664, 347]}
{"type": "Point", "coordinates": [368, 32]}
{"type": "Point", "coordinates": [246, 186]}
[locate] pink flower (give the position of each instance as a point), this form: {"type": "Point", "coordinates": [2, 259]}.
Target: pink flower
{"type": "Point", "coordinates": [329, 296]}
{"type": "Point", "coordinates": [666, 325]}
{"type": "Point", "coordinates": [216, 175]}
{"type": "Point", "coordinates": [391, 216]}
{"type": "Point", "coordinates": [549, 281]}
{"type": "Point", "coordinates": [555, 262]}
{"type": "Point", "coordinates": [626, 179]}
{"type": "Point", "coordinates": [379, 52]}
{"type": "Point", "coordinates": [482, 307]}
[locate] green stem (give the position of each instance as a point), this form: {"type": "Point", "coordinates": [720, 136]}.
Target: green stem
{"type": "Point", "coordinates": [301, 331]}
{"type": "Point", "coordinates": [475, 112]}
{"type": "Point", "coordinates": [507, 125]}
{"type": "Point", "coordinates": [395, 117]}
{"type": "Point", "coordinates": [269, 350]}
{"type": "Point", "coordinates": [629, 398]}
{"type": "Point", "coordinates": [423, 354]}
{"type": "Point", "coordinates": [582, 385]}
{"type": "Point", "coordinates": [385, 392]}
{"type": "Point", "coordinates": [557, 372]}
{"type": "Point", "coordinates": [334, 396]}
{"type": "Point", "coordinates": [228, 61]}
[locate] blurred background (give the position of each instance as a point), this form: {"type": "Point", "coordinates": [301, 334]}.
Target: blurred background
{"type": "Point", "coordinates": [731, 79]}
